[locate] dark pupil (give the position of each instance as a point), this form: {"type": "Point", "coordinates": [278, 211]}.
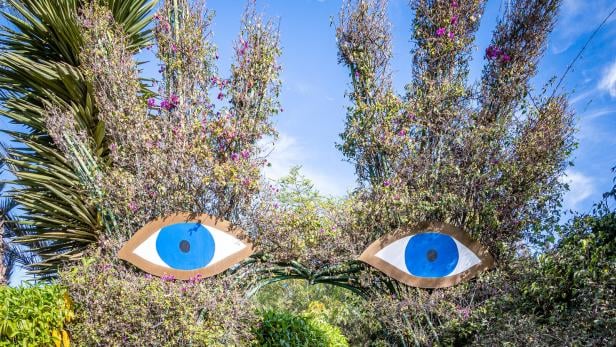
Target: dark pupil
{"type": "Point", "coordinates": [184, 246]}
{"type": "Point", "coordinates": [431, 255]}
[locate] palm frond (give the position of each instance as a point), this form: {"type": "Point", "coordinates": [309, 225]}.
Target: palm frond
{"type": "Point", "coordinates": [40, 68]}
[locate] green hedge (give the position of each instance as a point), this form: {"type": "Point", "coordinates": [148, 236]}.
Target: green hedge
{"type": "Point", "coordinates": [281, 328]}
{"type": "Point", "coordinates": [34, 316]}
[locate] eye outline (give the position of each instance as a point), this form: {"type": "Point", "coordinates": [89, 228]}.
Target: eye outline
{"type": "Point", "coordinates": [369, 257]}
{"type": "Point", "coordinates": [127, 252]}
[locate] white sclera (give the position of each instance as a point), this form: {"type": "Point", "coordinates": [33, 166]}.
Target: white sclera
{"type": "Point", "coordinates": [224, 246]}
{"type": "Point", "coordinates": [394, 254]}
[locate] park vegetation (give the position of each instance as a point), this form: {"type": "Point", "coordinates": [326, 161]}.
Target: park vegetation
{"type": "Point", "coordinates": [99, 151]}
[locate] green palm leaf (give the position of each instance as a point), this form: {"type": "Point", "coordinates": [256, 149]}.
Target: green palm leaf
{"type": "Point", "coordinates": [39, 67]}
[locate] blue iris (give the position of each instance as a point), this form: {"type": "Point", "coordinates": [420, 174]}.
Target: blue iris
{"type": "Point", "coordinates": [431, 255]}
{"type": "Point", "coordinates": [185, 246]}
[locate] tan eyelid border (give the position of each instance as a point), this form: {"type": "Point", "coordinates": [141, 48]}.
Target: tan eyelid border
{"type": "Point", "coordinates": [126, 252]}
{"type": "Point", "coordinates": [369, 256]}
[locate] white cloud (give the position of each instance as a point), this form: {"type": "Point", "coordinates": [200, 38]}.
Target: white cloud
{"type": "Point", "coordinates": [286, 153]}
{"type": "Point", "coordinates": [580, 188]}
{"type": "Point", "coordinates": [282, 155]}
{"type": "Point", "coordinates": [578, 17]}
{"type": "Point", "coordinates": [608, 82]}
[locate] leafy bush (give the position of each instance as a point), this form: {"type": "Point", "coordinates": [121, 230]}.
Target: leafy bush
{"type": "Point", "coordinates": [563, 297]}
{"type": "Point", "coordinates": [334, 305]}
{"type": "Point", "coordinates": [34, 316]}
{"type": "Point", "coordinates": [283, 328]}
{"type": "Point", "coordinates": [115, 306]}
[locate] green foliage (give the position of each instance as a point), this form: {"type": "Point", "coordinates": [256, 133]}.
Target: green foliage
{"type": "Point", "coordinates": [332, 304]}
{"type": "Point", "coordinates": [280, 328]}
{"type": "Point", "coordinates": [563, 297]}
{"type": "Point", "coordinates": [34, 315]}
{"type": "Point", "coordinates": [118, 307]}
{"type": "Point", "coordinates": [41, 67]}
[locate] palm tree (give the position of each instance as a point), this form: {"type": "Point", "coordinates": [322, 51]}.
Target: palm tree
{"type": "Point", "coordinates": [10, 254]}
{"type": "Point", "coordinates": [40, 66]}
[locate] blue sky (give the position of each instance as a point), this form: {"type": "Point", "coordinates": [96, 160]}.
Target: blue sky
{"type": "Point", "coordinates": [314, 85]}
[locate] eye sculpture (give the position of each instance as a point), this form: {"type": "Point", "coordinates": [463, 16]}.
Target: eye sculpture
{"type": "Point", "coordinates": [184, 246]}
{"type": "Point", "coordinates": [431, 255]}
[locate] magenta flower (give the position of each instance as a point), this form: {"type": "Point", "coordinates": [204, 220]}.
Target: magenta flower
{"type": "Point", "coordinates": [151, 102]}
{"type": "Point", "coordinates": [243, 48]}
{"type": "Point", "coordinates": [245, 154]}
{"type": "Point", "coordinates": [132, 206]}
{"type": "Point", "coordinates": [165, 104]}
{"type": "Point", "coordinates": [220, 96]}
{"type": "Point", "coordinates": [356, 74]}
{"type": "Point", "coordinates": [454, 4]}
{"type": "Point", "coordinates": [440, 32]}
{"type": "Point", "coordinates": [454, 20]}
{"type": "Point", "coordinates": [168, 277]}
{"type": "Point", "coordinates": [493, 52]}
{"type": "Point", "coordinates": [451, 35]}
{"type": "Point", "coordinates": [505, 57]}
{"type": "Point", "coordinates": [386, 183]}
{"type": "Point", "coordinates": [234, 156]}
{"type": "Point", "coordinates": [174, 99]}
{"type": "Point", "coordinates": [402, 132]}
{"type": "Point", "coordinates": [174, 48]}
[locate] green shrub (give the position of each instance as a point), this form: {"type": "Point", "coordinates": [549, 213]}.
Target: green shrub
{"type": "Point", "coordinates": [282, 328]}
{"type": "Point", "coordinates": [116, 306]}
{"type": "Point", "coordinates": [563, 297]}
{"type": "Point", "coordinates": [337, 306]}
{"type": "Point", "coordinates": [34, 316]}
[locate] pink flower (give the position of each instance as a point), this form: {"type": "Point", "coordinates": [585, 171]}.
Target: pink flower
{"type": "Point", "coordinates": [151, 102]}
{"type": "Point", "coordinates": [386, 183]}
{"type": "Point", "coordinates": [454, 4]}
{"type": "Point", "coordinates": [132, 206]}
{"type": "Point", "coordinates": [245, 154]}
{"type": "Point", "coordinates": [440, 32]}
{"type": "Point", "coordinates": [174, 99]}
{"type": "Point", "coordinates": [451, 35]}
{"type": "Point", "coordinates": [244, 44]}
{"type": "Point", "coordinates": [402, 132]}
{"type": "Point", "coordinates": [168, 277]}
{"type": "Point", "coordinates": [234, 156]}
{"type": "Point", "coordinates": [493, 52]}
{"type": "Point", "coordinates": [166, 105]}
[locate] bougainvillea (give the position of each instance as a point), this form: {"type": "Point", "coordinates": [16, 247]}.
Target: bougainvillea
{"type": "Point", "coordinates": [175, 150]}
{"type": "Point", "coordinates": [484, 156]}
{"type": "Point", "coordinates": [170, 149]}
